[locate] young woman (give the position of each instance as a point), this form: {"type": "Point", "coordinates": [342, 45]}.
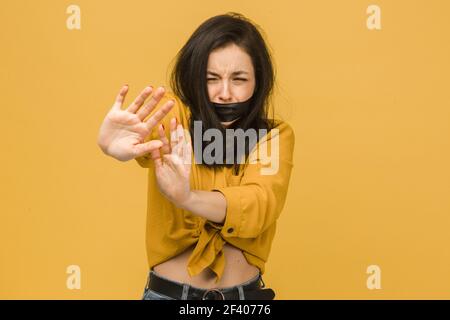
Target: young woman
{"type": "Point", "coordinates": [210, 221]}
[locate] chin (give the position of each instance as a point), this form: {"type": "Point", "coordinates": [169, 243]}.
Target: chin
{"type": "Point", "coordinates": [225, 124]}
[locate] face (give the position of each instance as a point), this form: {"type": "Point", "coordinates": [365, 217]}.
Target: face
{"type": "Point", "coordinates": [230, 76]}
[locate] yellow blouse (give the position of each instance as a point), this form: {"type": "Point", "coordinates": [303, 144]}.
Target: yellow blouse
{"type": "Point", "coordinates": [254, 203]}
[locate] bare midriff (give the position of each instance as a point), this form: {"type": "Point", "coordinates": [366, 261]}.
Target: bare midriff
{"type": "Point", "coordinates": [237, 270]}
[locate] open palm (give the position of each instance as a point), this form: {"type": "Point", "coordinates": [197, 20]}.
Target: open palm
{"type": "Point", "coordinates": [173, 167]}
{"type": "Point", "coordinates": [123, 132]}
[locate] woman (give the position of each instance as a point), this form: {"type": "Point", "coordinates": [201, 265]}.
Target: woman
{"type": "Point", "coordinates": [210, 221]}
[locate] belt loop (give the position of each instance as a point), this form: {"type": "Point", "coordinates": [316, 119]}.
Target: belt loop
{"type": "Point", "coordinates": [241, 293]}
{"type": "Point", "coordinates": [184, 295]}
{"type": "Point", "coordinates": [263, 284]}
{"type": "Point", "coordinates": [148, 281]}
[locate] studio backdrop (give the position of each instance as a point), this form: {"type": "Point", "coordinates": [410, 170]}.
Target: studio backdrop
{"type": "Point", "coordinates": [363, 84]}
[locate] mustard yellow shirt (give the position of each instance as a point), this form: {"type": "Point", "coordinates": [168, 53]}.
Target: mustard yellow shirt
{"type": "Point", "coordinates": [254, 203]}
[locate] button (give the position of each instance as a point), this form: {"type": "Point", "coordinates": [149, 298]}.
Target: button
{"type": "Point", "coordinates": [230, 230]}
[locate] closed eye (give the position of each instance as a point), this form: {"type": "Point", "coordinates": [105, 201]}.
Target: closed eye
{"type": "Point", "coordinates": [240, 79]}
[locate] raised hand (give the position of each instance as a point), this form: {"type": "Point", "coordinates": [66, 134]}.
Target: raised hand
{"type": "Point", "coordinates": [123, 132]}
{"type": "Point", "coordinates": [173, 168]}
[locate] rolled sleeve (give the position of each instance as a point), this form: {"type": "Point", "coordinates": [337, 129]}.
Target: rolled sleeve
{"type": "Point", "coordinates": [234, 214]}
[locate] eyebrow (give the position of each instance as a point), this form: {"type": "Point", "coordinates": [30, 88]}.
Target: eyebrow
{"type": "Point", "coordinates": [234, 73]}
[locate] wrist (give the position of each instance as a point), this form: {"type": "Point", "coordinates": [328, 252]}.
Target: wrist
{"type": "Point", "coordinates": [186, 202]}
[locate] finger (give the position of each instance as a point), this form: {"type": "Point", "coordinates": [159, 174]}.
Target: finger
{"type": "Point", "coordinates": [145, 148]}
{"type": "Point", "coordinates": [156, 157]}
{"type": "Point", "coordinates": [189, 153]}
{"type": "Point", "coordinates": [158, 163]}
{"type": "Point", "coordinates": [150, 105]}
{"type": "Point", "coordinates": [159, 115]}
{"type": "Point", "coordinates": [162, 136]}
{"type": "Point", "coordinates": [155, 154]}
{"type": "Point", "coordinates": [173, 133]}
{"type": "Point", "coordinates": [120, 97]}
{"type": "Point", "coordinates": [188, 149]}
{"type": "Point", "coordinates": [137, 103]}
{"type": "Point", "coordinates": [181, 143]}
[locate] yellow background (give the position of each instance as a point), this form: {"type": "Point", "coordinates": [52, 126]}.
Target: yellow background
{"type": "Point", "coordinates": [370, 109]}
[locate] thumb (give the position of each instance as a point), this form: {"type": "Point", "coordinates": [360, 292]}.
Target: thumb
{"type": "Point", "coordinates": [148, 147]}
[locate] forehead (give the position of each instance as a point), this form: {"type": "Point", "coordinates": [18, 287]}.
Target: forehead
{"type": "Point", "coordinates": [229, 59]}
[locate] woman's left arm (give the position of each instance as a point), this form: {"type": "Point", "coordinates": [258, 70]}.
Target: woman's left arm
{"type": "Point", "coordinates": [173, 176]}
{"type": "Point", "coordinates": [245, 210]}
{"type": "Point", "coordinates": [210, 205]}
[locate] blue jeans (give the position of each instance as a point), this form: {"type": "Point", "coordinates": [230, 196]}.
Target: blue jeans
{"type": "Point", "coordinates": [150, 294]}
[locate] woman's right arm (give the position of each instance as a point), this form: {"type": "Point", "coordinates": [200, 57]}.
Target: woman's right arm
{"type": "Point", "coordinates": [123, 131]}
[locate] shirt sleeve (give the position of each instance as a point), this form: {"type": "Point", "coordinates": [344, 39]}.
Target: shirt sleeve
{"type": "Point", "coordinates": [257, 201]}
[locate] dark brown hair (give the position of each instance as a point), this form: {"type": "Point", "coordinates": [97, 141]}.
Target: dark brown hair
{"type": "Point", "coordinates": [188, 78]}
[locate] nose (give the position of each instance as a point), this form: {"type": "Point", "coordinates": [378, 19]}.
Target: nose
{"type": "Point", "coordinates": [225, 94]}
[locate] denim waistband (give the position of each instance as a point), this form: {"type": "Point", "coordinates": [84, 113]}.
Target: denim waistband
{"type": "Point", "coordinates": [256, 278]}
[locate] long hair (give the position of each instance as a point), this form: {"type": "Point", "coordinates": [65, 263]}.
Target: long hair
{"type": "Point", "coordinates": [188, 78]}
